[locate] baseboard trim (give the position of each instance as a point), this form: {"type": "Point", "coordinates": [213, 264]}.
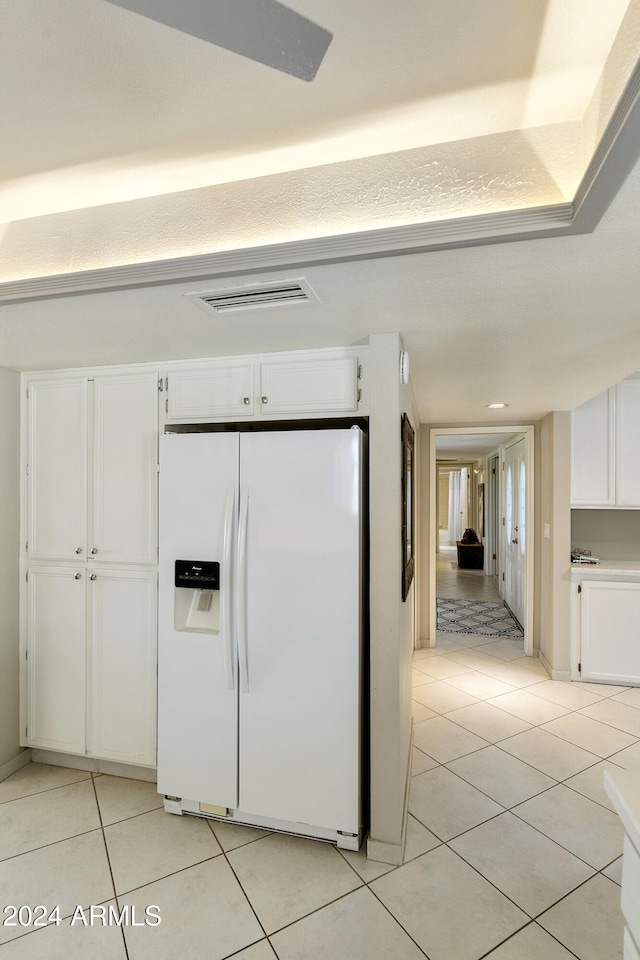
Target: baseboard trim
{"type": "Point", "coordinates": [545, 663]}
{"type": "Point", "coordinates": [110, 767]}
{"type": "Point", "coordinates": [554, 674]}
{"type": "Point", "coordinates": [12, 766]}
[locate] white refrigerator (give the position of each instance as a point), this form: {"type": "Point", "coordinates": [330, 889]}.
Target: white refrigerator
{"type": "Point", "coordinates": [260, 629]}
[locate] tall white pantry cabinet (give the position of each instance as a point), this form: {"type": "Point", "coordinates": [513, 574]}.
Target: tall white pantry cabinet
{"type": "Point", "coordinates": [90, 564]}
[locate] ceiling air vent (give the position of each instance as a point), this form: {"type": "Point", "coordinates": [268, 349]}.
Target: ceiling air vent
{"type": "Point", "coordinates": [277, 294]}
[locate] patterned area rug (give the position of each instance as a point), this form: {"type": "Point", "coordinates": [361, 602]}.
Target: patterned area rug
{"type": "Point", "coordinates": [489, 617]}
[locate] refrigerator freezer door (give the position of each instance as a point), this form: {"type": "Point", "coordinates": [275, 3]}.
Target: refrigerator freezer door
{"type": "Point", "coordinates": [197, 675]}
{"type": "Point", "coordinates": [300, 704]}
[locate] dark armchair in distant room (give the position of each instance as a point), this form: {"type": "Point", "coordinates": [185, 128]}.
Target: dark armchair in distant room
{"type": "Point", "coordinates": [470, 551]}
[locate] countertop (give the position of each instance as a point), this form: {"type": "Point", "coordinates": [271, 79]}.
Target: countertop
{"type": "Point", "coordinates": [621, 569]}
{"type": "Point", "coordinates": [623, 789]}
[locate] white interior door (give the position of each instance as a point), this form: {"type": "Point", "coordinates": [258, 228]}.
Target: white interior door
{"type": "Point", "coordinates": [515, 514]}
{"type": "Point", "coordinates": [300, 700]}
{"type": "Point", "coordinates": [197, 698]}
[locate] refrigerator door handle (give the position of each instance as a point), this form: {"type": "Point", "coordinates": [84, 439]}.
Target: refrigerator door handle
{"type": "Point", "coordinates": [227, 587]}
{"type": "Point", "coordinates": [241, 591]}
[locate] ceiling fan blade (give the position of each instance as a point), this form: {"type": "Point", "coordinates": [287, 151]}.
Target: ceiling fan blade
{"type": "Point", "coordinates": [262, 30]}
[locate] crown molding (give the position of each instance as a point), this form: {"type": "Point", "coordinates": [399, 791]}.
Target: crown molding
{"type": "Point", "coordinates": [414, 238]}
{"type": "Point", "coordinates": [615, 156]}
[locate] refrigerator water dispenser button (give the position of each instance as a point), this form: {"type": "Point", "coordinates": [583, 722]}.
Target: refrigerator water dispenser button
{"type": "Point", "coordinates": [197, 574]}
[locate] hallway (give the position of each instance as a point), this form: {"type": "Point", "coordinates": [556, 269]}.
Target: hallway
{"type": "Point", "coordinates": [461, 584]}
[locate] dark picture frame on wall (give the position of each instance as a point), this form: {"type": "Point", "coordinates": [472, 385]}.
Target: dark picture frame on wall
{"type": "Point", "coordinates": [408, 501]}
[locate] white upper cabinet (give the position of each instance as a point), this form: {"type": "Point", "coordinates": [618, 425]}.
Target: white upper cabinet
{"type": "Point", "coordinates": [317, 383]}
{"type": "Point", "coordinates": [217, 390]}
{"type": "Point", "coordinates": [92, 468]}
{"type": "Point", "coordinates": [592, 451]}
{"type": "Point", "coordinates": [605, 449]}
{"type": "Point", "coordinates": [628, 443]}
{"type": "Point", "coordinates": [57, 469]}
{"type": "Point", "coordinates": [328, 385]}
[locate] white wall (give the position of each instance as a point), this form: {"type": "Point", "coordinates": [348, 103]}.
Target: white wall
{"type": "Point", "coordinates": [392, 624]}
{"type": "Point", "coordinates": [9, 552]}
{"type": "Point", "coordinates": [554, 554]}
{"type": "Point", "coordinates": [609, 534]}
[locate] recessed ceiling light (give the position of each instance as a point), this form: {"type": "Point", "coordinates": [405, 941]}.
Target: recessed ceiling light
{"type": "Point", "coordinates": [497, 406]}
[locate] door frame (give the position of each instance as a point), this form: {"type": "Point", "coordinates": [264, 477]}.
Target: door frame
{"type": "Point", "coordinates": [527, 430]}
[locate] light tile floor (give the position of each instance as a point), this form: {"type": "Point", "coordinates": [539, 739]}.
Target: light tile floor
{"type": "Point", "coordinates": [513, 850]}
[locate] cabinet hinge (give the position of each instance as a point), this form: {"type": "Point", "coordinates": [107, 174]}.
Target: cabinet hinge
{"type": "Point", "coordinates": [579, 588]}
{"type": "Point", "coordinates": [503, 521]}
{"type": "Point", "coordinates": [579, 668]}
{"type": "Point", "coordinates": [504, 466]}
{"type": "Point", "coordinates": [503, 576]}
{"type": "Point", "coordinates": [26, 654]}
{"type": "Point", "coordinates": [27, 392]}
{"type": "Point", "coordinates": [359, 395]}
{"type": "Point", "coordinates": [160, 384]}
{"type": "Point", "coordinates": [26, 546]}
{"type": "Point", "coordinates": [26, 576]}
{"type": "Point", "coordinates": [493, 556]}
{"type": "Point", "coordinates": [26, 469]}
{"type": "Point", "coordinates": [493, 470]}
{"type": "Point", "coordinates": [166, 405]}
{"type": "Point", "coordinates": [359, 371]}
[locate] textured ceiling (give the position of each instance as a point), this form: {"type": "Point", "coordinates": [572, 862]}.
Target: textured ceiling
{"type": "Point", "coordinates": [125, 141]}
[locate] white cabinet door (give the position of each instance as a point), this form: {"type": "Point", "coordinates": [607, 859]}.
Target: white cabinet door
{"type": "Point", "coordinates": [628, 443]}
{"type": "Point", "coordinates": [122, 689]}
{"type": "Point", "coordinates": [609, 618]}
{"type": "Point", "coordinates": [56, 643]}
{"type": "Point", "coordinates": [218, 390]}
{"type": "Point", "coordinates": [328, 385]}
{"type": "Point", "coordinates": [57, 469]}
{"type": "Point", "coordinates": [593, 452]}
{"type": "Point", "coordinates": [125, 442]}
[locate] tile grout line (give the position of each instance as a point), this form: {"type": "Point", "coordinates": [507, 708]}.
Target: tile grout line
{"type": "Point", "coordinates": [106, 850]}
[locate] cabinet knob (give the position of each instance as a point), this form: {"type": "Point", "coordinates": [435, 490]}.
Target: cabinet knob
{"type": "Point", "coordinates": [93, 577]}
{"type": "Point", "coordinates": [94, 550]}
{"type": "Point", "coordinates": [78, 576]}
{"type": "Point", "coordinates": [246, 401]}
{"type": "Point", "coordinates": [264, 399]}
{"type": "Point", "coordinates": [78, 549]}
{"type": "Point", "coordinates": [515, 541]}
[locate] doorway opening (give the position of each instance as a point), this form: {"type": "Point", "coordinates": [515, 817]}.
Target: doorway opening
{"type": "Point", "coordinates": [482, 490]}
